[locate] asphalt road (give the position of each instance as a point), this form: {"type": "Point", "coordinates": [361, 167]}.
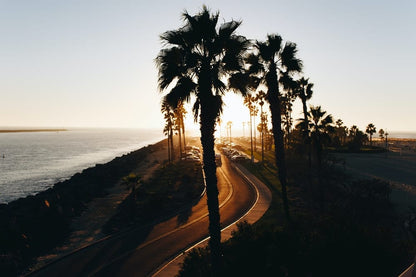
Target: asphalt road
{"type": "Point", "coordinates": [140, 251]}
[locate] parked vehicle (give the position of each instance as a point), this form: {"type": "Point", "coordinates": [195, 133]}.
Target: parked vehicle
{"type": "Point", "coordinates": [218, 159]}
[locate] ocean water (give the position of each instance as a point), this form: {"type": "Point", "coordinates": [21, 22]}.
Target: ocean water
{"type": "Point", "coordinates": [403, 135]}
{"type": "Point", "coordinates": [33, 162]}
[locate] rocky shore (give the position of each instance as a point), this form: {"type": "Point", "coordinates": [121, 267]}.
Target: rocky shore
{"type": "Point", "coordinates": [32, 226]}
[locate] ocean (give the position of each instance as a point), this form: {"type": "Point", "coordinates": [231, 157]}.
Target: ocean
{"type": "Point", "coordinates": [35, 161]}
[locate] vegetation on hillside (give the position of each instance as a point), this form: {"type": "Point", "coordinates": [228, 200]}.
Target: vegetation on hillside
{"type": "Point", "coordinates": [174, 186]}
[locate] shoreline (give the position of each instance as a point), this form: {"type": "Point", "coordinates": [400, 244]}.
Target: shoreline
{"type": "Point", "coordinates": [32, 130]}
{"type": "Point", "coordinates": [38, 223]}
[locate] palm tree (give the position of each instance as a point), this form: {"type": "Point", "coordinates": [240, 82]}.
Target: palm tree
{"type": "Point", "coordinates": [181, 112]}
{"type": "Point", "coordinates": [304, 92]}
{"type": "Point", "coordinates": [341, 131]}
{"type": "Point", "coordinates": [320, 125]}
{"type": "Point", "coordinates": [371, 129]}
{"type": "Point", "coordinates": [260, 98]}
{"type": "Point", "coordinates": [248, 101]}
{"type": "Point", "coordinates": [177, 126]}
{"type": "Point", "coordinates": [290, 87]}
{"type": "Point", "coordinates": [271, 60]}
{"type": "Point", "coordinates": [196, 60]}
{"type": "Point", "coordinates": [229, 124]}
{"type": "Point", "coordinates": [168, 115]}
{"type": "Point", "coordinates": [381, 133]}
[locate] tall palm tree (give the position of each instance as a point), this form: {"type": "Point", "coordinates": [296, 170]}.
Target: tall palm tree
{"type": "Point", "coordinates": [248, 101]}
{"type": "Point", "coordinates": [168, 115]}
{"type": "Point", "coordinates": [181, 111]}
{"type": "Point", "coordinates": [260, 98]}
{"type": "Point", "coordinates": [229, 125]}
{"type": "Point", "coordinates": [304, 92]}
{"type": "Point", "coordinates": [290, 87]}
{"type": "Point", "coordinates": [273, 59]}
{"type": "Point", "coordinates": [196, 60]}
{"type": "Point", "coordinates": [177, 126]}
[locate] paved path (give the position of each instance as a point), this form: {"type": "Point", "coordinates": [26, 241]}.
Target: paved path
{"type": "Point", "coordinates": [262, 203]}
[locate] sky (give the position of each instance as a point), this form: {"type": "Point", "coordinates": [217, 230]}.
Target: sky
{"type": "Point", "coordinates": [90, 63]}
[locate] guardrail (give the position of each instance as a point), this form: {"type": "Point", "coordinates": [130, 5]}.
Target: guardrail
{"type": "Point", "coordinates": [409, 272]}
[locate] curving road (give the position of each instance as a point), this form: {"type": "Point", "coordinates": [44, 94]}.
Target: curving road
{"type": "Point", "coordinates": [141, 251]}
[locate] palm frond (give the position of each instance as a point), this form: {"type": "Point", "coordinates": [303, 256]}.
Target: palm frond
{"type": "Point", "coordinates": [181, 92]}
{"type": "Point", "coordinates": [228, 28]}
{"type": "Point", "coordinates": [288, 58]}
{"type": "Point", "coordinates": [274, 42]}
{"type": "Point", "coordinates": [170, 65]}
{"type": "Point", "coordinates": [195, 109]}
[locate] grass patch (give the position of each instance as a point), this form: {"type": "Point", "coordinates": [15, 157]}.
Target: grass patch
{"type": "Point", "coordinates": [171, 187]}
{"type": "Point", "coordinates": [355, 233]}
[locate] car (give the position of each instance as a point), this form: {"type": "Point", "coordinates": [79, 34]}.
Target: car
{"type": "Point", "coordinates": [240, 157]}
{"type": "Point", "coordinates": [218, 159]}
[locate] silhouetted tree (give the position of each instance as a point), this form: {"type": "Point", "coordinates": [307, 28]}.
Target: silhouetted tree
{"type": "Point", "coordinates": [272, 59]}
{"type": "Point", "coordinates": [196, 60]}
{"type": "Point", "coordinates": [356, 138]}
{"type": "Point", "coordinates": [341, 131]}
{"type": "Point", "coordinates": [229, 125]}
{"type": "Point", "coordinates": [381, 133]}
{"type": "Point", "coordinates": [320, 125]}
{"type": "Point", "coordinates": [181, 112]}
{"type": "Point", "coordinates": [260, 98]}
{"type": "Point", "coordinates": [371, 129]}
{"type": "Point", "coordinates": [304, 92]}
{"type": "Point", "coordinates": [249, 102]}
{"type": "Point", "coordinates": [288, 97]}
{"type": "Point", "coordinates": [168, 115]}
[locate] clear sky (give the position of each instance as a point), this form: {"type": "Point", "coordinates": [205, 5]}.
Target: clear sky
{"type": "Point", "coordinates": [90, 63]}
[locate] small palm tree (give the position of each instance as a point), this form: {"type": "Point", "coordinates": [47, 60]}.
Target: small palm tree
{"type": "Point", "coordinates": [371, 129]}
{"type": "Point", "coordinates": [196, 60]}
{"type": "Point", "coordinates": [381, 133]}
{"type": "Point", "coordinates": [320, 125]}
{"type": "Point", "coordinates": [304, 92]}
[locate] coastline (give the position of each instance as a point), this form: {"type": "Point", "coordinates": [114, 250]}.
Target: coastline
{"type": "Point", "coordinates": [34, 225]}
{"type": "Point", "coordinates": [32, 130]}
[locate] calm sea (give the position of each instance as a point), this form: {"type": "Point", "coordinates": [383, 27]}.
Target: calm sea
{"type": "Point", "coordinates": [34, 162]}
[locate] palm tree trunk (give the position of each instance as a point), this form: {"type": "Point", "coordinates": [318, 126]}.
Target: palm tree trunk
{"type": "Point", "coordinates": [207, 127]}
{"type": "Point", "coordinates": [168, 140]}
{"type": "Point", "coordinates": [254, 127]}
{"type": "Point", "coordinates": [172, 155]}
{"type": "Point", "coordinates": [275, 109]}
{"type": "Point", "coordinates": [180, 140]}
{"type": "Point", "coordinates": [262, 133]}
{"type": "Point", "coordinates": [319, 161]}
{"type": "Point", "coordinates": [183, 133]}
{"type": "Point", "coordinates": [306, 132]}
{"type": "Point", "coordinates": [251, 139]}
